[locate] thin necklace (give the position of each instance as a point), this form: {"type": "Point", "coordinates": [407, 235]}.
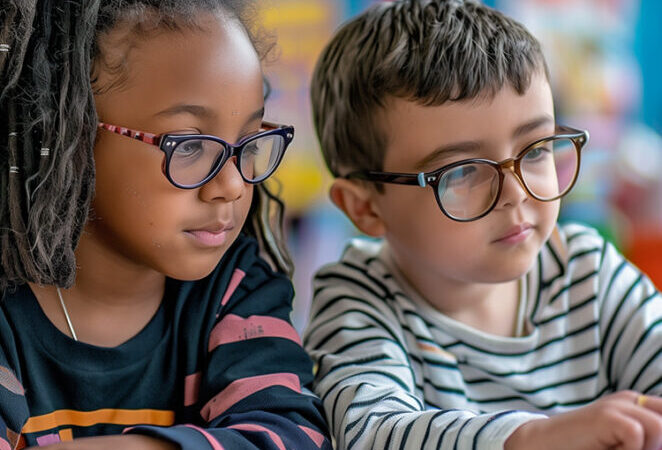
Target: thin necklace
{"type": "Point", "coordinates": [66, 314]}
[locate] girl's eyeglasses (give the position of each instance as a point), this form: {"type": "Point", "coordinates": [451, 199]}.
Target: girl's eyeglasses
{"type": "Point", "coordinates": [469, 189]}
{"type": "Point", "coordinates": [191, 160]}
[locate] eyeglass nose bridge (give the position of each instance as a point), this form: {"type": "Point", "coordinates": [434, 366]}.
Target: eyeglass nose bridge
{"type": "Point", "coordinates": [512, 165]}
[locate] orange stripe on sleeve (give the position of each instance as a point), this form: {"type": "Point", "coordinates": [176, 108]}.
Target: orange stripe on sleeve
{"type": "Point", "coordinates": [88, 418]}
{"type": "Point", "coordinates": [66, 435]}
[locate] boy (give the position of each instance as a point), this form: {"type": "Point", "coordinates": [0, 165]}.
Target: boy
{"type": "Point", "coordinates": [476, 322]}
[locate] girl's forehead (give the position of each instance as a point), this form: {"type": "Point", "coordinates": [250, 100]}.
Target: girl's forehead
{"type": "Point", "coordinates": [214, 67]}
{"type": "Point", "coordinates": [133, 37]}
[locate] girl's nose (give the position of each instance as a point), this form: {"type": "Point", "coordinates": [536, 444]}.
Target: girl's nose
{"type": "Point", "coordinates": [227, 185]}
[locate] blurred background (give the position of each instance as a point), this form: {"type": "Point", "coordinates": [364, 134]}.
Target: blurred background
{"type": "Point", "coordinates": [606, 68]}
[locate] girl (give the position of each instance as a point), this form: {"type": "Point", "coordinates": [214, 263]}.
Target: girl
{"type": "Point", "coordinates": [137, 311]}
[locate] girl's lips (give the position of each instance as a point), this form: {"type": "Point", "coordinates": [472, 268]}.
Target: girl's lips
{"type": "Point", "coordinates": [210, 238]}
{"type": "Point", "coordinates": [516, 234]}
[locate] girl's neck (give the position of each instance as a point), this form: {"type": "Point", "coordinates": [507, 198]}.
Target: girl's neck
{"type": "Point", "coordinates": [111, 277]}
{"type": "Point", "coordinates": [112, 299]}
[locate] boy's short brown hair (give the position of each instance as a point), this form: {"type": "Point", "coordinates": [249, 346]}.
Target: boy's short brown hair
{"type": "Point", "coordinates": [427, 51]}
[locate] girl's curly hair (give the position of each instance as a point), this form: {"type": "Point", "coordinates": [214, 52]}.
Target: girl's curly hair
{"type": "Point", "coordinates": [48, 126]}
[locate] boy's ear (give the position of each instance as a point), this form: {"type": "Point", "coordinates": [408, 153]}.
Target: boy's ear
{"type": "Point", "coordinates": [356, 201]}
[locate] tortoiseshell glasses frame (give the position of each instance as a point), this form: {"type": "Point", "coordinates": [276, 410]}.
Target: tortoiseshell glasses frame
{"type": "Point", "coordinates": [469, 189]}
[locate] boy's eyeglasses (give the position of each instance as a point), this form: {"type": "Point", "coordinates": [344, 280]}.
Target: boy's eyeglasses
{"type": "Point", "coordinates": [191, 160]}
{"type": "Point", "coordinates": [469, 189]}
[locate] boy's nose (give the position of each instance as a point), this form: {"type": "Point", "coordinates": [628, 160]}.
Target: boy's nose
{"type": "Point", "coordinates": [227, 185]}
{"type": "Point", "coordinates": [513, 191]}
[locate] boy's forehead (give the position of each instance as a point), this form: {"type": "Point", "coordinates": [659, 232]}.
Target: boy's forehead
{"type": "Point", "coordinates": [414, 129]}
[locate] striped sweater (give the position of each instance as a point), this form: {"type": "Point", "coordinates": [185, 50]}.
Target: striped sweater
{"type": "Point", "coordinates": [219, 366]}
{"type": "Point", "coordinates": [393, 372]}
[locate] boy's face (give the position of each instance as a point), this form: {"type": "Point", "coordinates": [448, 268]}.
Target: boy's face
{"type": "Point", "coordinates": [434, 249]}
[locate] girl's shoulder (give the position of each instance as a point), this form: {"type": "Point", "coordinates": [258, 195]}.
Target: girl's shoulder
{"type": "Point", "coordinates": [242, 260]}
{"type": "Point", "coordinates": [239, 274]}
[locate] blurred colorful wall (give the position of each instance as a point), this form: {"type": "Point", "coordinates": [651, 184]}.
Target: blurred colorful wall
{"type": "Point", "coordinates": [606, 68]}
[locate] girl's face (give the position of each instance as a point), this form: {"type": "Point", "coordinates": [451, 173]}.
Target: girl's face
{"type": "Point", "coordinates": [205, 80]}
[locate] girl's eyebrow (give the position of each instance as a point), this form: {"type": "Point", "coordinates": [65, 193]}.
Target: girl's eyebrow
{"type": "Point", "coordinates": [202, 111]}
{"type": "Point", "coordinates": [182, 108]}
{"type": "Point", "coordinates": [258, 114]}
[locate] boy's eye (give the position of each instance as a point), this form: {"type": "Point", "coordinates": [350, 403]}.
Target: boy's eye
{"type": "Point", "coordinates": [537, 153]}
{"type": "Point", "coordinates": [460, 175]}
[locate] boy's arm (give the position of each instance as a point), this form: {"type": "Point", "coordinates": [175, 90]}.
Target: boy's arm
{"type": "Point", "coordinates": [630, 325]}
{"type": "Point", "coordinates": [624, 420]}
{"type": "Point", "coordinates": [252, 394]}
{"type": "Point", "coordinates": [366, 380]}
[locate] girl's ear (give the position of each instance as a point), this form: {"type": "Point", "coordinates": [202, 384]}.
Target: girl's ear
{"type": "Point", "coordinates": [356, 201]}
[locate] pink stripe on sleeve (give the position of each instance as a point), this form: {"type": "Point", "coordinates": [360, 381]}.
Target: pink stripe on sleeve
{"type": "Point", "coordinates": [242, 388]}
{"type": "Point", "coordinates": [213, 442]}
{"type": "Point", "coordinates": [233, 328]}
{"type": "Point", "coordinates": [316, 436]}
{"type": "Point", "coordinates": [237, 276]}
{"type": "Point", "coordinates": [4, 445]}
{"type": "Point", "coordinates": [191, 388]}
{"type": "Point", "coordinates": [253, 427]}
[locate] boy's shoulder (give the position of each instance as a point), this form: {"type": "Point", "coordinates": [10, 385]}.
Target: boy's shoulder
{"type": "Point", "coordinates": [360, 267]}
{"type": "Point", "coordinates": [572, 251]}
{"type": "Point", "coordinates": [569, 239]}
{"type": "Point", "coordinates": [359, 252]}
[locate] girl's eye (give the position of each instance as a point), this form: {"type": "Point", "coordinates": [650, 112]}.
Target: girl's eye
{"type": "Point", "coordinates": [252, 148]}
{"type": "Point", "coordinates": [189, 149]}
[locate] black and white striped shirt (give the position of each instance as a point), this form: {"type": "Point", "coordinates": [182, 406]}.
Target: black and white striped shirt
{"type": "Point", "coordinates": [393, 372]}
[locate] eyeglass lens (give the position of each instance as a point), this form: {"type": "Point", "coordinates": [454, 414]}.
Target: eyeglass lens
{"type": "Point", "coordinates": [548, 170]}
{"type": "Point", "coordinates": [193, 160]}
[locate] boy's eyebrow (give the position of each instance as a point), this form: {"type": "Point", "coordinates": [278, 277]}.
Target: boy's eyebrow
{"type": "Point", "coordinates": [448, 150]}
{"type": "Point", "coordinates": [470, 146]}
{"type": "Point", "coordinates": [532, 125]}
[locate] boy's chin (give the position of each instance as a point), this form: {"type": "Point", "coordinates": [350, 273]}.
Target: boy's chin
{"type": "Point", "coordinates": [509, 271]}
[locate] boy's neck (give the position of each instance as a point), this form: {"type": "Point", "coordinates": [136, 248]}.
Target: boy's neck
{"type": "Point", "coordinates": [491, 308]}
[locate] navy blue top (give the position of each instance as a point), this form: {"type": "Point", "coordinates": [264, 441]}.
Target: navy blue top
{"type": "Point", "coordinates": [218, 366]}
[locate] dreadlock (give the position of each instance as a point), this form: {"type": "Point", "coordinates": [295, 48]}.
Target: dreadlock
{"type": "Point", "coordinates": [48, 52]}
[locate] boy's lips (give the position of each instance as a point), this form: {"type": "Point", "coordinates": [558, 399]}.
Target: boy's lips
{"type": "Point", "coordinates": [515, 234]}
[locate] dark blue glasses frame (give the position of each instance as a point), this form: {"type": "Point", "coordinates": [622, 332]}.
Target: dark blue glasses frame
{"type": "Point", "coordinates": [167, 143]}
